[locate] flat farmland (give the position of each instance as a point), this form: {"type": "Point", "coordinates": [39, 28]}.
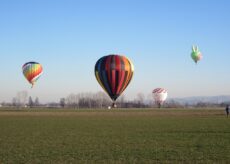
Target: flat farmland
{"type": "Point", "coordinates": [114, 136]}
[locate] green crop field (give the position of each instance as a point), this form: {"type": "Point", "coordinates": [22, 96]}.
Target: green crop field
{"type": "Point", "coordinates": [114, 136]}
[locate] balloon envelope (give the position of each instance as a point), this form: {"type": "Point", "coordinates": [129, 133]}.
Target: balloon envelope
{"type": "Point", "coordinates": [196, 54]}
{"type": "Point", "coordinates": [32, 71]}
{"type": "Point", "coordinates": [114, 73]}
{"type": "Point", "coordinates": [160, 95]}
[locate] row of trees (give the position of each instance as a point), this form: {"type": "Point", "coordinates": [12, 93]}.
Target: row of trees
{"type": "Point", "coordinates": [22, 100]}
{"type": "Point", "coordinates": [98, 100]}
{"type": "Point", "coordinates": [80, 100]}
{"type": "Point", "coordinates": [101, 100]}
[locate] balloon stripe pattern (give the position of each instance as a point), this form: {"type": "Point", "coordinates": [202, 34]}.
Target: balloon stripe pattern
{"type": "Point", "coordinates": [114, 73]}
{"type": "Point", "coordinates": [160, 95]}
{"type": "Point", "coordinates": [32, 71]}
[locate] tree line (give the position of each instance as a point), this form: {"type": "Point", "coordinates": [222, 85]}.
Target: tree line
{"type": "Point", "coordinates": [98, 100]}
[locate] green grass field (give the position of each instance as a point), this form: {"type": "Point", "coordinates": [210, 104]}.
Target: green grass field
{"type": "Point", "coordinates": [115, 136]}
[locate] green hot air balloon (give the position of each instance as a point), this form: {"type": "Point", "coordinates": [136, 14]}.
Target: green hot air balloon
{"type": "Point", "coordinates": [196, 54]}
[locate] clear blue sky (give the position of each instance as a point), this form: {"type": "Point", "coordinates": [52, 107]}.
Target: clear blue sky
{"type": "Point", "coordinates": [68, 36]}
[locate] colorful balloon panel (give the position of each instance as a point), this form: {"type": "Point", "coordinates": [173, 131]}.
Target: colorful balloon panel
{"type": "Point", "coordinates": [114, 73]}
{"type": "Point", "coordinates": [196, 54]}
{"type": "Point", "coordinates": [32, 71]}
{"type": "Point", "coordinates": [160, 95]}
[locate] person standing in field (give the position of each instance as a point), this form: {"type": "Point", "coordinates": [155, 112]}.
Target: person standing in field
{"type": "Point", "coordinates": [227, 110]}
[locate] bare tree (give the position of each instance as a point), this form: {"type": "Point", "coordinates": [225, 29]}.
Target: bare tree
{"type": "Point", "coordinates": [87, 100]}
{"type": "Point", "coordinates": [62, 102]}
{"type": "Point", "coordinates": [150, 101]}
{"type": "Point", "coordinates": [101, 99]}
{"type": "Point", "coordinates": [36, 102]}
{"type": "Point", "coordinates": [21, 98]}
{"type": "Point", "coordinates": [30, 102]}
{"type": "Point", "coordinates": [72, 100]}
{"type": "Point", "coordinates": [15, 102]}
{"type": "Point", "coordinates": [121, 101]}
{"type": "Point", "coordinates": [140, 99]}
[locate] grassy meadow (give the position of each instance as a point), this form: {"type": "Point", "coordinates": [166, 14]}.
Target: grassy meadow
{"type": "Point", "coordinates": [114, 136]}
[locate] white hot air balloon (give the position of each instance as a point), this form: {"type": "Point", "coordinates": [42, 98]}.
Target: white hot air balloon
{"type": "Point", "coordinates": [160, 95]}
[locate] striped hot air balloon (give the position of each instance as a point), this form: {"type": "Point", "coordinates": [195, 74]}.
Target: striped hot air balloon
{"type": "Point", "coordinates": [196, 54]}
{"type": "Point", "coordinates": [160, 95]}
{"type": "Point", "coordinates": [114, 73]}
{"type": "Point", "coordinates": [32, 71]}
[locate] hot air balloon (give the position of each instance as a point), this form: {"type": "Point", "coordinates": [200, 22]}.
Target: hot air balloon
{"type": "Point", "coordinates": [159, 95]}
{"type": "Point", "coordinates": [114, 73]}
{"type": "Point", "coordinates": [196, 54]}
{"type": "Point", "coordinates": [32, 71]}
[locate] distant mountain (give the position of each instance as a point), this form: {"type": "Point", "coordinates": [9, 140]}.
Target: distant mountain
{"type": "Point", "coordinates": [203, 99]}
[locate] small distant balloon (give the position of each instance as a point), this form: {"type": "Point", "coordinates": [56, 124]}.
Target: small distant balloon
{"type": "Point", "coordinates": [160, 95]}
{"type": "Point", "coordinates": [32, 71]}
{"type": "Point", "coordinates": [196, 54]}
{"type": "Point", "coordinates": [114, 73]}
